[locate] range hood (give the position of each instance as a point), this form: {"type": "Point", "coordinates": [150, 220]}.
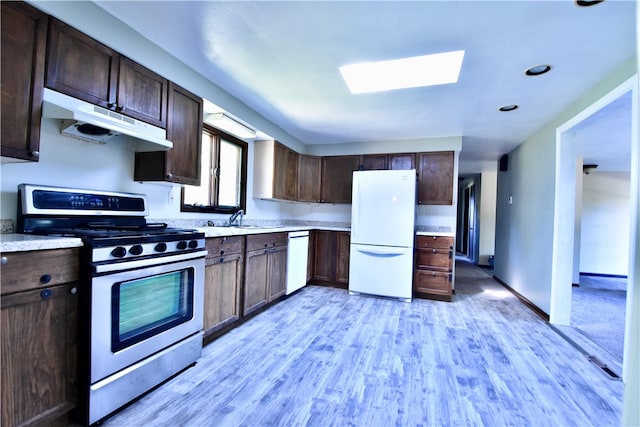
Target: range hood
{"type": "Point", "coordinates": [90, 122]}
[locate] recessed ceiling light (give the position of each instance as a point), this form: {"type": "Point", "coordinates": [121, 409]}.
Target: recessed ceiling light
{"type": "Point", "coordinates": [538, 70]}
{"type": "Point", "coordinates": [509, 107]}
{"type": "Point", "coordinates": [417, 71]}
{"type": "Point", "coordinates": [587, 3]}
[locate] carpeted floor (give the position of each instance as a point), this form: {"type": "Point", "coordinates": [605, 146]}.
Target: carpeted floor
{"type": "Point", "coordinates": [598, 311]}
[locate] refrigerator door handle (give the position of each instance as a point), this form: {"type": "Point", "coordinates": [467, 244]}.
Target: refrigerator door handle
{"type": "Point", "coordinates": [382, 251]}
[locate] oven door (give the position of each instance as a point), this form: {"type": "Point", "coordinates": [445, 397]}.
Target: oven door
{"type": "Point", "coordinates": [144, 309]}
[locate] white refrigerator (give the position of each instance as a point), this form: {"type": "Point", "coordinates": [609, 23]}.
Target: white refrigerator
{"type": "Point", "coordinates": [382, 233]}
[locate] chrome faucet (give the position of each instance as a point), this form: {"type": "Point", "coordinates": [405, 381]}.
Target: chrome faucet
{"type": "Point", "coordinates": [235, 216]}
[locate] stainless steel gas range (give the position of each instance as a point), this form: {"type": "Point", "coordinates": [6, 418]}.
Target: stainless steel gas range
{"type": "Point", "coordinates": [141, 291]}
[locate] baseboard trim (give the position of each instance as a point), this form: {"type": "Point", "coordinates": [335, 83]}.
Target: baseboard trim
{"type": "Point", "coordinates": [537, 310]}
{"type": "Point", "coordinates": [613, 276]}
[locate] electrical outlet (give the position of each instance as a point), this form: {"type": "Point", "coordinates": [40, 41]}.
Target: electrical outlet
{"type": "Point", "coordinates": [510, 200]}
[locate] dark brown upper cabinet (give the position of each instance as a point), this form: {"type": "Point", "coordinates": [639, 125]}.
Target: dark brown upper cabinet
{"type": "Point", "coordinates": [23, 51]}
{"type": "Point", "coordinates": [374, 162]}
{"type": "Point", "coordinates": [402, 161]}
{"type": "Point", "coordinates": [309, 178]}
{"type": "Point", "coordinates": [337, 178]}
{"type": "Point", "coordinates": [83, 68]}
{"type": "Point", "coordinates": [435, 178]}
{"type": "Point", "coordinates": [181, 164]}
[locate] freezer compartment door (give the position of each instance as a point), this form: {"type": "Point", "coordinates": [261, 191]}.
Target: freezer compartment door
{"type": "Point", "coordinates": [381, 270]}
{"type": "Point", "coordinates": [383, 207]}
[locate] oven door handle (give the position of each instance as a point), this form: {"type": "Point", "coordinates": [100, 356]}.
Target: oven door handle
{"type": "Point", "coordinates": [148, 262]}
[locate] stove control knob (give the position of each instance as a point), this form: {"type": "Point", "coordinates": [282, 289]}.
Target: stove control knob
{"type": "Point", "coordinates": [119, 252]}
{"type": "Point", "coordinates": [135, 250]}
{"type": "Point", "coordinates": [161, 247]}
{"type": "Point", "coordinates": [182, 244]}
{"type": "Point", "coordinates": [193, 244]}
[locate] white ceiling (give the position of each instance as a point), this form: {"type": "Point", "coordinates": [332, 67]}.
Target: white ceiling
{"type": "Point", "coordinates": [282, 58]}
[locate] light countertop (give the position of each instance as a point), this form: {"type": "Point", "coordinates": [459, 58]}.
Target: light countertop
{"type": "Point", "coordinates": [28, 242]}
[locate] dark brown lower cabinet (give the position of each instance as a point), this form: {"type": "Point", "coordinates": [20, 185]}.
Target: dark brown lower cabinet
{"type": "Point", "coordinates": [331, 257]}
{"type": "Point", "coordinates": [433, 275]}
{"type": "Point", "coordinates": [39, 336]}
{"type": "Point", "coordinates": [224, 274]}
{"type": "Point", "coordinates": [265, 270]}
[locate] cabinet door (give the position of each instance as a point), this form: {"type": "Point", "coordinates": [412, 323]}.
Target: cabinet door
{"type": "Point", "coordinates": [343, 248]}
{"type": "Point", "coordinates": [337, 178]}
{"type": "Point", "coordinates": [39, 345]}
{"type": "Point", "coordinates": [24, 39]}
{"type": "Point", "coordinates": [277, 272]}
{"type": "Point", "coordinates": [80, 66]}
{"type": "Point", "coordinates": [374, 162]}
{"type": "Point", "coordinates": [402, 161]}
{"type": "Point", "coordinates": [142, 94]}
{"type": "Point", "coordinates": [285, 172]}
{"type": "Point", "coordinates": [435, 174]}
{"type": "Point", "coordinates": [323, 261]}
{"type": "Point", "coordinates": [181, 164]}
{"type": "Point", "coordinates": [309, 170]}
{"type": "Point", "coordinates": [255, 280]}
{"type": "Point", "coordinates": [222, 289]}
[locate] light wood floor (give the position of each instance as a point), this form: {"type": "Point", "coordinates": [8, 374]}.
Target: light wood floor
{"type": "Point", "coordinates": [324, 358]}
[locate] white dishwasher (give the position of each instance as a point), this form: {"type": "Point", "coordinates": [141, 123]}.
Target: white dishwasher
{"type": "Point", "coordinates": [297, 256]}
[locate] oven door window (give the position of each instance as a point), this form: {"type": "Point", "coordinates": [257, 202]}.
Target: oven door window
{"type": "Point", "coordinates": [147, 306]}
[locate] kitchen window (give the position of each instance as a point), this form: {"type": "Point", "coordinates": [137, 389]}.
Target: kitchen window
{"type": "Point", "coordinates": [223, 185]}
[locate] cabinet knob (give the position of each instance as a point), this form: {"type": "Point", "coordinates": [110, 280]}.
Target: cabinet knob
{"type": "Point", "coordinates": [119, 108]}
{"type": "Point", "coordinates": [433, 250]}
{"type": "Point", "coordinates": [45, 293]}
{"type": "Point", "coordinates": [221, 259]}
{"type": "Point", "coordinates": [110, 105]}
{"type": "Point", "coordinates": [4, 260]}
{"type": "Point", "coordinates": [35, 153]}
{"type": "Point", "coordinates": [169, 175]}
{"type": "Point", "coordinates": [45, 278]}
{"type": "Point", "coordinates": [221, 252]}
{"type": "Point", "coordinates": [73, 290]}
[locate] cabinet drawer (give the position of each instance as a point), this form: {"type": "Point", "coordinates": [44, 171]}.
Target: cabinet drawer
{"type": "Point", "coordinates": [432, 282]}
{"type": "Point", "coordinates": [219, 246]}
{"type": "Point", "coordinates": [438, 258]}
{"type": "Point", "coordinates": [38, 269]}
{"type": "Point", "coordinates": [434, 242]}
{"type": "Point", "coordinates": [269, 240]}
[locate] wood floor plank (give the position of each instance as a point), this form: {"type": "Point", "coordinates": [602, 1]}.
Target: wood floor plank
{"type": "Point", "coordinates": [324, 358]}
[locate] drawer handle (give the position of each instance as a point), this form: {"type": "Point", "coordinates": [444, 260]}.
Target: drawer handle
{"type": "Point", "coordinates": [45, 294]}
{"type": "Point", "coordinates": [45, 278]}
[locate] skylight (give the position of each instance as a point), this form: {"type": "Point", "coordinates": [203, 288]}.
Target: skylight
{"type": "Point", "coordinates": [417, 71]}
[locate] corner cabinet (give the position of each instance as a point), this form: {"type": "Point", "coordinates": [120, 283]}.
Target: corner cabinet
{"type": "Point", "coordinates": [181, 164]}
{"type": "Point", "coordinates": [224, 274]}
{"type": "Point", "coordinates": [39, 336]}
{"type": "Point", "coordinates": [433, 275]}
{"type": "Point", "coordinates": [435, 178]}
{"type": "Point", "coordinates": [83, 68]}
{"type": "Point", "coordinates": [265, 270]}
{"type": "Point", "coordinates": [23, 50]}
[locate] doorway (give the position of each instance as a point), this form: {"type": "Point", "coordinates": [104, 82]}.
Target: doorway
{"type": "Point", "coordinates": [569, 151]}
{"type": "Point", "coordinates": [467, 236]}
